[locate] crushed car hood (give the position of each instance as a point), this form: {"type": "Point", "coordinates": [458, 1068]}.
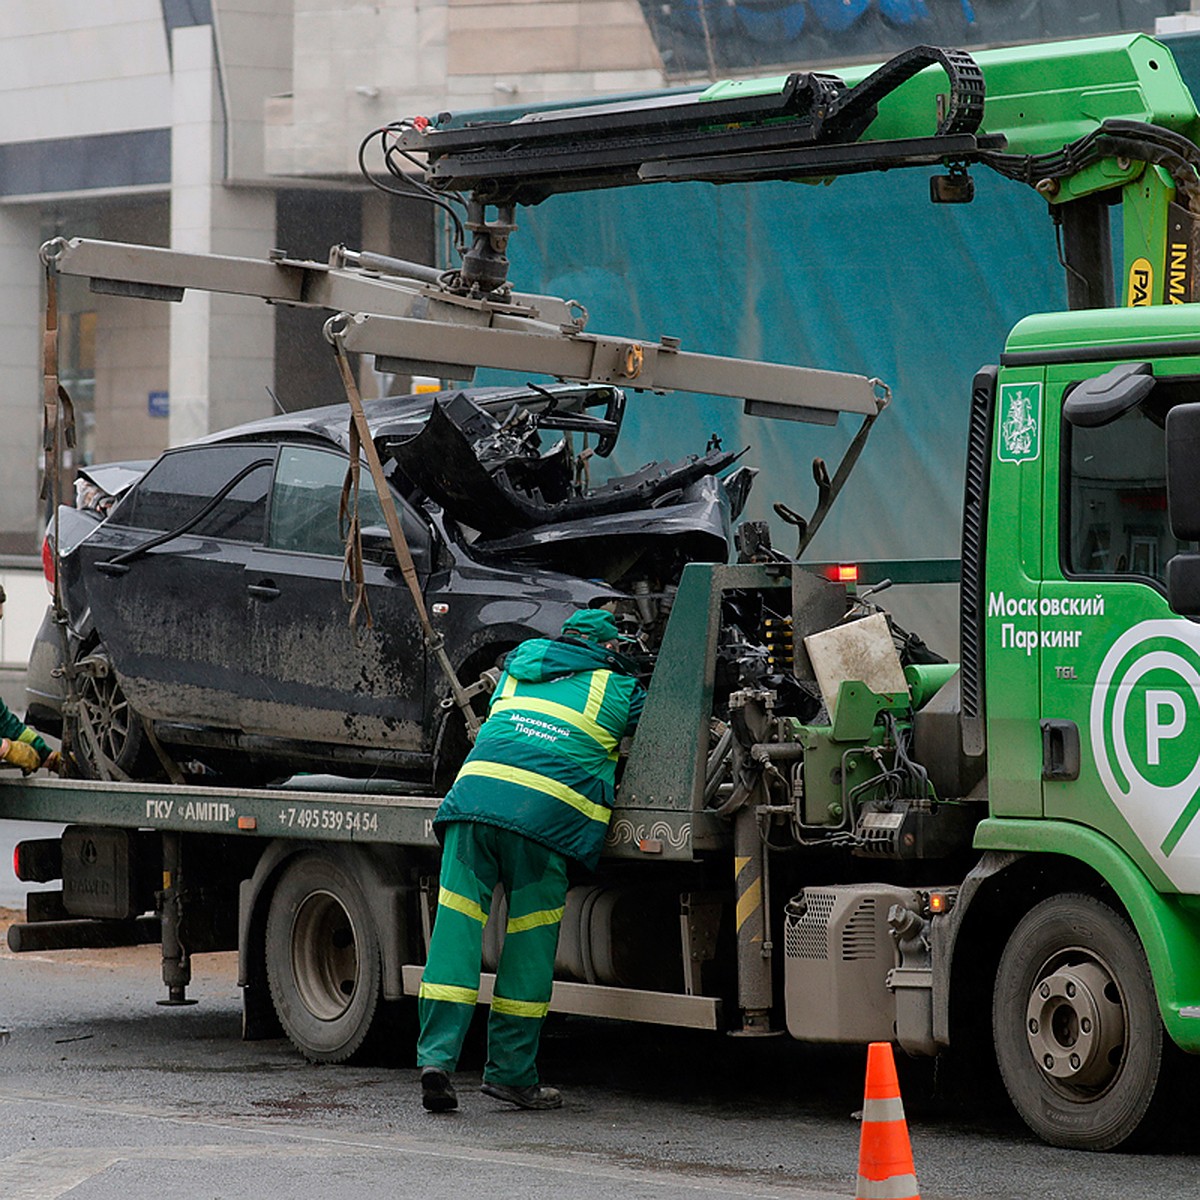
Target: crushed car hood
{"type": "Point", "coordinates": [501, 485]}
{"type": "Point", "coordinates": [701, 512]}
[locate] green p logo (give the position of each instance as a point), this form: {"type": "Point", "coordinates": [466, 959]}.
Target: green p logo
{"type": "Point", "coordinates": [1159, 730]}
{"type": "Point", "coordinates": [1146, 698]}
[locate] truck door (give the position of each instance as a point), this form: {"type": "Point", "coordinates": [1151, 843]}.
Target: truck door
{"type": "Point", "coordinates": [1119, 671]}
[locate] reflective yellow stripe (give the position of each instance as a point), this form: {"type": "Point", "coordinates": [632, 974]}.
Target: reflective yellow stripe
{"type": "Point", "coordinates": [561, 712]}
{"type": "Point", "coordinates": [547, 916]}
{"type": "Point", "coordinates": [26, 736]}
{"type": "Point", "coordinates": [596, 690]}
{"type": "Point", "coordinates": [520, 1008]}
{"type": "Point", "coordinates": [748, 902]}
{"type": "Point", "coordinates": [449, 993]}
{"type": "Point", "coordinates": [538, 783]}
{"type": "Point", "coordinates": [461, 904]}
{"type": "Point", "coordinates": [509, 686]}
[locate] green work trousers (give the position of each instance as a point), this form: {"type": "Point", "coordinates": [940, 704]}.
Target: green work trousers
{"type": "Point", "coordinates": [475, 858]}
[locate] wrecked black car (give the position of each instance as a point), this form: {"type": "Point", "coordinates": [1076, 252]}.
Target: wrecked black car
{"type": "Point", "coordinates": [208, 616]}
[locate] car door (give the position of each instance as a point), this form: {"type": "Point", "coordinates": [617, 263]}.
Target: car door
{"type": "Point", "coordinates": [172, 615]}
{"type": "Point", "coordinates": [313, 675]}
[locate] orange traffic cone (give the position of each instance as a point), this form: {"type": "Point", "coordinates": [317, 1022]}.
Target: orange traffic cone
{"type": "Point", "coordinates": [885, 1162]}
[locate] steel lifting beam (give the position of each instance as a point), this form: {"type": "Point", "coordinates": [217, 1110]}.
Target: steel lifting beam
{"type": "Point", "coordinates": [415, 326]}
{"type": "Point", "coordinates": [604, 1000]}
{"type": "Point", "coordinates": [156, 273]}
{"type": "Point", "coordinates": [769, 389]}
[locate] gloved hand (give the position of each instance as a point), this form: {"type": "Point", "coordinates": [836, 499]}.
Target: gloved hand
{"type": "Point", "coordinates": [53, 762]}
{"type": "Point", "coordinates": [20, 754]}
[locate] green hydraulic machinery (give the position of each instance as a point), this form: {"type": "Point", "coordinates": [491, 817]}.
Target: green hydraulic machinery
{"type": "Point", "coordinates": [1087, 123]}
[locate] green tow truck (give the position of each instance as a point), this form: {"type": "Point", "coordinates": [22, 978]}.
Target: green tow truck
{"type": "Point", "coordinates": [820, 828]}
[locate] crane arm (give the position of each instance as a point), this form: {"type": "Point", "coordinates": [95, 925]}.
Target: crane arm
{"type": "Point", "coordinates": [1082, 122]}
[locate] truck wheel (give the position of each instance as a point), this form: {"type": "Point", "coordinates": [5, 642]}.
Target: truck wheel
{"type": "Point", "coordinates": [323, 960]}
{"type": "Point", "coordinates": [1076, 1026]}
{"type": "Point", "coordinates": [113, 727]}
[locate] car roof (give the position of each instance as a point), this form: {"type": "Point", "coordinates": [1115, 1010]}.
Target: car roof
{"type": "Point", "coordinates": [391, 416]}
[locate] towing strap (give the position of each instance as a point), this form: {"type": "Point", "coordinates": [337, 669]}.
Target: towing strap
{"type": "Point", "coordinates": [58, 412]}
{"type": "Point", "coordinates": [361, 443]}
{"type": "Point", "coordinates": [58, 435]}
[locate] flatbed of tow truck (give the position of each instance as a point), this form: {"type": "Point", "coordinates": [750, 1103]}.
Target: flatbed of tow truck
{"type": "Point", "coordinates": [328, 807]}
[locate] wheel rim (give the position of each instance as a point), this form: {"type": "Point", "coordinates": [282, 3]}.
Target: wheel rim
{"type": "Point", "coordinates": [108, 714]}
{"type": "Point", "coordinates": [1076, 1022]}
{"type": "Point", "coordinates": [324, 955]}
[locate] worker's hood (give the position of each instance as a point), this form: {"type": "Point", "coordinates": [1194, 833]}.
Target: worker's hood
{"type": "Point", "coordinates": [543, 659]}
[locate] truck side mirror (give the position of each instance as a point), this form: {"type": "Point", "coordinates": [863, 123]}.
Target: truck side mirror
{"type": "Point", "coordinates": [1183, 471]}
{"type": "Point", "coordinates": [1183, 584]}
{"type": "Point", "coordinates": [1099, 401]}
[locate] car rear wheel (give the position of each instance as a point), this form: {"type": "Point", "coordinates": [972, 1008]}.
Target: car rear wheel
{"type": "Point", "coordinates": [107, 732]}
{"type": "Point", "coordinates": [323, 960]}
{"type": "Point", "coordinates": [452, 745]}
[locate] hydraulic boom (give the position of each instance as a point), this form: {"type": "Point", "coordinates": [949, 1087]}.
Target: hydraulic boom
{"type": "Point", "coordinates": [1086, 123]}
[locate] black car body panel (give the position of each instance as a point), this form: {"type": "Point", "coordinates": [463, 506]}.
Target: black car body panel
{"type": "Point", "coordinates": [215, 588]}
{"type": "Point", "coordinates": [44, 687]}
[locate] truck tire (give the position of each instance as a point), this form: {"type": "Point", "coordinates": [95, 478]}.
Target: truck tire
{"type": "Point", "coordinates": [1075, 1022]}
{"type": "Point", "coordinates": [117, 729]}
{"type": "Point", "coordinates": [323, 960]}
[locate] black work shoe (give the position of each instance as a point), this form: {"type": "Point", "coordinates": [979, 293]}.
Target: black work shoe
{"type": "Point", "coordinates": [536, 1096]}
{"type": "Point", "coordinates": [437, 1092]}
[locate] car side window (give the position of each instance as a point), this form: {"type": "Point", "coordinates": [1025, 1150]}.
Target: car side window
{"type": "Point", "coordinates": [182, 482]}
{"type": "Point", "coordinates": [305, 498]}
{"type": "Point", "coordinates": [1116, 523]}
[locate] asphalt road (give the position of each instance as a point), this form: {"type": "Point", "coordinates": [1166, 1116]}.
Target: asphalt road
{"type": "Point", "coordinates": [105, 1096]}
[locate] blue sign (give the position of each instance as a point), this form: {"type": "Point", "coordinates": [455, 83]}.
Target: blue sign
{"type": "Point", "coordinates": [158, 404]}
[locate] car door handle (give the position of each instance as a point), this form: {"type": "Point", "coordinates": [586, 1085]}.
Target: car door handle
{"type": "Point", "coordinates": [263, 591]}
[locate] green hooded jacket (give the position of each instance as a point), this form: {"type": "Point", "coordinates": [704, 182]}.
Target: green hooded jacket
{"type": "Point", "coordinates": [544, 762]}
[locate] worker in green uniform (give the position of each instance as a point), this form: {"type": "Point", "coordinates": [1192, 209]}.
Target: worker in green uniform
{"type": "Point", "coordinates": [535, 792]}
{"type": "Point", "coordinates": [19, 745]}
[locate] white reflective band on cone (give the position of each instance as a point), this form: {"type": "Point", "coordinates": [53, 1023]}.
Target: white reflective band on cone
{"type": "Point", "coordinates": [891, 1109]}
{"type": "Point", "coordinates": [898, 1187]}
